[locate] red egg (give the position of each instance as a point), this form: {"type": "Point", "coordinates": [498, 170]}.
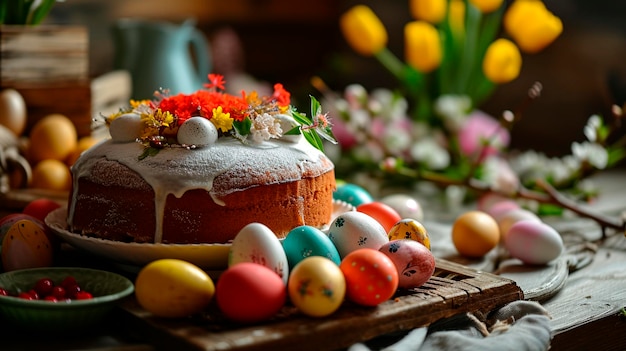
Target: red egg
{"type": "Point", "coordinates": [414, 262]}
{"type": "Point", "coordinates": [384, 214]}
{"type": "Point", "coordinates": [40, 208]}
{"type": "Point", "coordinates": [371, 277]}
{"type": "Point", "coordinates": [249, 293]}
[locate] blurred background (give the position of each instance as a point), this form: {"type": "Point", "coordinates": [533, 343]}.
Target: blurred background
{"type": "Point", "coordinates": [583, 72]}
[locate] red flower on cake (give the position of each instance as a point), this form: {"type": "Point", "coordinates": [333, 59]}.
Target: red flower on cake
{"type": "Point", "coordinates": [282, 96]}
{"type": "Point", "coordinates": [216, 81]}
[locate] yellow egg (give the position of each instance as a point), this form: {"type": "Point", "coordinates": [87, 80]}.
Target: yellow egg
{"type": "Point", "coordinates": [475, 233]}
{"type": "Point", "coordinates": [52, 137]}
{"type": "Point", "coordinates": [13, 114]}
{"type": "Point", "coordinates": [83, 144]}
{"type": "Point", "coordinates": [52, 175]}
{"type": "Point", "coordinates": [317, 286]}
{"type": "Point", "coordinates": [173, 288]}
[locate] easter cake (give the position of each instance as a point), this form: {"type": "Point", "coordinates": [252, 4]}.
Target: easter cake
{"type": "Point", "coordinates": [197, 168]}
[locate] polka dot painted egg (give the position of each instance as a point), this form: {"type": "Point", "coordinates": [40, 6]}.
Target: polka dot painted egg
{"type": "Point", "coordinates": [197, 131]}
{"type": "Point", "coordinates": [371, 277]}
{"type": "Point", "coordinates": [414, 262]}
{"type": "Point", "coordinates": [317, 286]}
{"type": "Point", "coordinates": [410, 229]}
{"type": "Point", "coordinates": [352, 194]}
{"type": "Point", "coordinates": [355, 230]}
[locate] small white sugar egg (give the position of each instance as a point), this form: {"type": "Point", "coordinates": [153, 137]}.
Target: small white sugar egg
{"type": "Point", "coordinates": [405, 205]}
{"type": "Point", "coordinates": [126, 128]}
{"type": "Point", "coordinates": [287, 123]}
{"type": "Point", "coordinates": [533, 242]}
{"type": "Point", "coordinates": [197, 131]}
{"type": "Point", "coordinates": [355, 230]}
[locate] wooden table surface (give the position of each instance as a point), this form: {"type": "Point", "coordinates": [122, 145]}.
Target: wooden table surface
{"type": "Point", "coordinates": [585, 310]}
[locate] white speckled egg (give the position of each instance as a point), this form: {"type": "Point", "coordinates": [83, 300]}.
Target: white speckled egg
{"type": "Point", "coordinates": [507, 219]}
{"type": "Point", "coordinates": [405, 205]}
{"type": "Point", "coordinates": [355, 230]}
{"type": "Point", "coordinates": [533, 242]}
{"type": "Point", "coordinates": [258, 244]}
{"type": "Point", "coordinates": [126, 128]}
{"type": "Point", "coordinates": [197, 131]}
{"type": "Point", "coordinates": [414, 262]}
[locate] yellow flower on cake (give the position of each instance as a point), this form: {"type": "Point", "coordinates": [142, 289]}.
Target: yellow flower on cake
{"type": "Point", "coordinates": [363, 30]}
{"type": "Point", "coordinates": [486, 6]}
{"type": "Point", "coordinates": [502, 62]}
{"type": "Point", "coordinates": [221, 120]}
{"type": "Point", "coordinates": [422, 46]}
{"type": "Point", "coordinates": [432, 11]}
{"type": "Point", "coordinates": [532, 25]}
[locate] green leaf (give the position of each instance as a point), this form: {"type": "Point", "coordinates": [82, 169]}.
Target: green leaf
{"type": "Point", "coordinates": [41, 12]}
{"type": "Point", "coordinates": [316, 107]}
{"type": "Point", "coordinates": [293, 131]}
{"type": "Point", "coordinates": [243, 127]}
{"type": "Point", "coordinates": [149, 151]}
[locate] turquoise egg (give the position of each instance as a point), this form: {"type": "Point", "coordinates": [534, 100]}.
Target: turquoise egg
{"type": "Point", "coordinates": [352, 194]}
{"type": "Point", "coordinates": [305, 241]}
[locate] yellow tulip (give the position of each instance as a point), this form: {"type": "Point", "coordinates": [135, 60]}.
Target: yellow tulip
{"type": "Point", "coordinates": [456, 16]}
{"type": "Point", "coordinates": [432, 11]}
{"type": "Point", "coordinates": [532, 25]}
{"type": "Point", "coordinates": [502, 62]}
{"type": "Point", "coordinates": [363, 30]}
{"type": "Point", "coordinates": [422, 46]}
{"type": "Point", "coordinates": [486, 6]}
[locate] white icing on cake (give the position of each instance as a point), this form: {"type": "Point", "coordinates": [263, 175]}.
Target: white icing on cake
{"type": "Point", "coordinates": [175, 170]}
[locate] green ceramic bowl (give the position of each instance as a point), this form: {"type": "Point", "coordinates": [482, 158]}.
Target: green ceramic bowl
{"type": "Point", "coordinates": [107, 289]}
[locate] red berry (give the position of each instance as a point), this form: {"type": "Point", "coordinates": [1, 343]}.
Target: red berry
{"type": "Point", "coordinates": [34, 294]}
{"type": "Point", "coordinates": [72, 290]}
{"type": "Point", "coordinates": [44, 286]}
{"type": "Point", "coordinates": [4, 292]}
{"type": "Point", "coordinates": [58, 292]}
{"type": "Point", "coordinates": [51, 298]}
{"type": "Point", "coordinates": [83, 295]}
{"type": "Point", "coordinates": [68, 281]}
{"type": "Point", "coordinates": [25, 296]}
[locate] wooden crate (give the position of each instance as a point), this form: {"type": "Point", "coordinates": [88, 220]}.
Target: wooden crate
{"type": "Point", "coordinates": [452, 289]}
{"type": "Point", "coordinates": [44, 54]}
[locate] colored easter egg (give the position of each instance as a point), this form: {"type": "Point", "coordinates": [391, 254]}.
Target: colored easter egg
{"type": "Point", "coordinates": [249, 293]}
{"type": "Point", "coordinates": [533, 242]}
{"type": "Point", "coordinates": [384, 214]}
{"type": "Point", "coordinates": [355, 230]}
{"type": "Point", "coordinates": [257, 243]}
{"type": "Point", "coordinates": [25, 245]}
{"type": "Point", "coordinates": [306, 241]}
{"type": "Point", "coordinates": [475, 233]}
{"type": "Point", "coordinates": [414, 262]}
{"type": "Point", "coordinates": [371, 277]}
{"type": "Point", "coordinates": [352, 194]}
{"type": "Point", "coordinates": [317, 286]}
{"type": "Point", "coordinates": [409, 228]}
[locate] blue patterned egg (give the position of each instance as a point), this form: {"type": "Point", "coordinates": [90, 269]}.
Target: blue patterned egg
{"type": "Point", "coordinates": [356, 230]}
{"type": "Point", "coordinates": [256, 243]}
{"type": "Point", "coordinates": [306, 241]}
{"type": "Point", "coordinates": [352, 194]}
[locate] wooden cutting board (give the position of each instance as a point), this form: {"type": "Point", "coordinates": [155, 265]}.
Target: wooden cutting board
{"type": "Point", "coordinates": [452, 289]}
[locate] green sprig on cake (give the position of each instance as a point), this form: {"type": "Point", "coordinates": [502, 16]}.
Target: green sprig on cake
{"type": "Point", "coordinates": [199, 119]}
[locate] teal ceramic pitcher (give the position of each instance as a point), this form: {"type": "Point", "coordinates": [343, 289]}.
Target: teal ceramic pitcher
{"type": "Point", "coordinates": [161, 55]}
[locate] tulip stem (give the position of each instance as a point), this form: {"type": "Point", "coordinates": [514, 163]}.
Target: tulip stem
{"type": "Point", "coordinates": [392, 63]}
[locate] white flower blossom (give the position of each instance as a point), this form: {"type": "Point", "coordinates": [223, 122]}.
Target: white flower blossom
{"type": "Point", "coordinates": [593, 153]}
{"type": "Point", "coordinates": [265, 127]}
{"type": "Point", "coordinates": [431, 154]}
{"type": "Point", "coordinates": [453, 109]}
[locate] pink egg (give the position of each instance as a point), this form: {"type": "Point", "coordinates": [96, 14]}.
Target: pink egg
{"type": "Point", "coordinates": [502, 207]}
{"type": "Point", "coordinates": [533, 242]}
{"type": "Point", "coordinates": [414, 262]}
{"type": "Point", "coordinates": [249, 293]}
{"type": "Point", "coordinates": [384, 214]}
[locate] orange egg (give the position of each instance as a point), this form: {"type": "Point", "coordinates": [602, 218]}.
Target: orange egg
{"type": "Point", "coordinates": [83, 144]}
{"type": "Point", "coordinates": [52, 175]}
{"type": "Point", "coordinates": [371, 277]}
{"type": "Point", "coordinates": [52, 137]}
{"type": "Point", "coordinates": [475, 233]}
